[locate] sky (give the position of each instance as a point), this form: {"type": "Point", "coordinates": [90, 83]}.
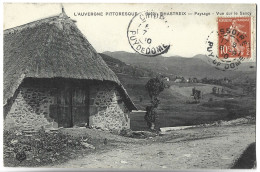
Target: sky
{"type": "Point", "coordinates": [186, 34]}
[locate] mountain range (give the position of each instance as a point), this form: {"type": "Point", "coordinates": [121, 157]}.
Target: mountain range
{"type": "Point", "coordinates": [196, 66]}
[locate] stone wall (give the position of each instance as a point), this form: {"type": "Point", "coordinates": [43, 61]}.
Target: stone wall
{"type": "Point", "coordinates": [30, 109]}
{"type": "Point", "coordinates": [107, 110]}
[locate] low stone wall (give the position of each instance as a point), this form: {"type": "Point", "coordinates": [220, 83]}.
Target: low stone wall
{"type": "Point", "coordinates": [107, 110]}
{"type": "Point", "coordinates": [30, 109]}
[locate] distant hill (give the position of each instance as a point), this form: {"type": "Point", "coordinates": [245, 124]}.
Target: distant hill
{"type": "Point", "coordinates": [121, 68]}
{"type": "Point", "coordinates": [196, 66]}
{"type": "Point", "coordinates": [111, 61]}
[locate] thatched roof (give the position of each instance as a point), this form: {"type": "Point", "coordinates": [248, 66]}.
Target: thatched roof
{"type": "Point", "coordinates": [49, 48]}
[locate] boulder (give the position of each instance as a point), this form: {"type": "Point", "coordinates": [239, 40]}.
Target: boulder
{"type": "Point", "coordinates": [87, 145]}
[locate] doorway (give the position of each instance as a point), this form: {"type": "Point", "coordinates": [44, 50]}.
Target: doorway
{"type": "Point", "coordinates": [72, 105]}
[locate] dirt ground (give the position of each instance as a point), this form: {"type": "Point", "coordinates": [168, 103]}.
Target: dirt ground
{"type": "Point", "coordinates": [215, 147]}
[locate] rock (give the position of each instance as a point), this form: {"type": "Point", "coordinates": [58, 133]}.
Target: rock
{"type": "Point", "coordinates": [20, 156]}
{"type": "Point", "coordinates": [18, 134]}
{"type": "Point", "coordinates": [85, 140]}
{"type": "Point", "coordinates": [144, 134]}
{"type": "Point", "coordinates": [28, 135]}
{"type": "Point", "coordinates": [53, 129]}
{"type": "Point", "coordinates": [87, 145]}
{"type": "Point", "coordinates": [165, 129]}
{"type": "Point", "coordinates": [187, 155]}
{"type": "Point", "coordinates": [225, 157]}
{"type": "Point", "coordinates": [123, 162]}
{"type": "Point", "coordinates": [13, 142]}
{"type": "Point", "coordinates": [162, 133]}
{"type": "Point", "coordinates": [126, 132]}
{"type": "Point", "coordinates": [53, 159]}
{"type": "Point", "coordinates": [29, 156]}
{"type": "Point", "coordinates": [29, 131]}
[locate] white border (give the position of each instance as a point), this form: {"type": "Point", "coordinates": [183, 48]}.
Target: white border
{"type": "Point", "coordinates": [112, 1]}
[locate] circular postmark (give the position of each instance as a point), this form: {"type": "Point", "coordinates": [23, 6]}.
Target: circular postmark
{"type": "Point", "coordinates": [212, 51]}
{"type": "Point", "coordinates": [228, 47]}
{"type": "Point", "coordinates": [147, 34]}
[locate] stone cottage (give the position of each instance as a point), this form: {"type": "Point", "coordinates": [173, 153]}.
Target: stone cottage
{"type": "Point", "coordinates": [53, 77]}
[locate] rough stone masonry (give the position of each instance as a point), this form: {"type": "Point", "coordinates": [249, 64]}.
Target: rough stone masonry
{"type": "Point", "coordinates": [31, 109]}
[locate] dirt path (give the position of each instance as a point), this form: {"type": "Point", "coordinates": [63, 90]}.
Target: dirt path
{"type": "Point", "coordinates": [212, 147]}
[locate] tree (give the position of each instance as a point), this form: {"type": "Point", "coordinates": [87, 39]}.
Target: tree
{"type": "Point", "coordinates": [196, 94]}
{"type": "Point", "coordinates": [214, 90]}
{"type": "Point", "coordinates": [154, 87]}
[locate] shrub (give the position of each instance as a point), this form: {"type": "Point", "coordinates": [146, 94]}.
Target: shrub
{"type": "Point", "coordinates": [40, 148]}
{"type": "Point", "coordinates": [154, 87]}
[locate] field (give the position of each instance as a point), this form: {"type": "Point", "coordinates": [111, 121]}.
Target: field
{"type": "Point", "coordinates": [177, 109]}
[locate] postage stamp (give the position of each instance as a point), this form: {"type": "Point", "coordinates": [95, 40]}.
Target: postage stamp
{"type": "Point", "coordinates": [230, 45]}
{"type": "Point", "coordinates": [234, 37]}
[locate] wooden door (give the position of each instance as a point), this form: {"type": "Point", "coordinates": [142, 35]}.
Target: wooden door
{"type": "Point", "coordinates": [72, 105]}
{"type": "Point", "coordinates": [64, 112]}
{"type": "Point", "coordinates": [80, 106]}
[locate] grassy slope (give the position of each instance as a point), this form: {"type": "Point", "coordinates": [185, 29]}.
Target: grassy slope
{"type": "Point", "coordinates": [174, 111]}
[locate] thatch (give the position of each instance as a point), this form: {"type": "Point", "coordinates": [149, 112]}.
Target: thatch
{"type": "Point", "coordinates": [49, 48]}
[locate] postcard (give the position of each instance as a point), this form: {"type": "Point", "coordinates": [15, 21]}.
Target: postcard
{"type": "Point", "coordinates": [129, 86]}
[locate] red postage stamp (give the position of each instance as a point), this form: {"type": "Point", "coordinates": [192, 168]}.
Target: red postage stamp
{"type": "Point", "coordinates": [234, 38]}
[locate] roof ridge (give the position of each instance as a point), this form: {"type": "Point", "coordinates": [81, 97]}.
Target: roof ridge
{"type": "Point", "coordinates": [35, 23]}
